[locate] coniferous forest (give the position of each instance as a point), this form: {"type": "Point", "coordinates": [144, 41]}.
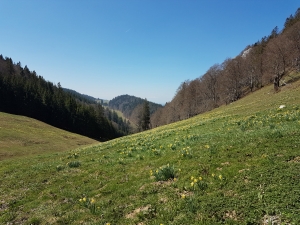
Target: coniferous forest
{"type": "Point", "coordinates": [133, 108]}
{"type": "Point", "coordinates": [25, 93]}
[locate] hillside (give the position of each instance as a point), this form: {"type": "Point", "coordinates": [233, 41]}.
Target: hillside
{"type": "Point", "coordinates": [267, 61]}
{"type": "Point", "coordinates": [238, 164]}
{"type": "Point", "coordinates": [86, 98]}
{"type": "Point", "coordinates": [130, 106]}
{"type": "Point", "coordinates": [22, 136]}
{"type": "Point", "coordinates": [23, 92]}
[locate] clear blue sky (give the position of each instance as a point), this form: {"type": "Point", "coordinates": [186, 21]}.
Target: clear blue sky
{"type": "Point", "coordinates": [146, 48]}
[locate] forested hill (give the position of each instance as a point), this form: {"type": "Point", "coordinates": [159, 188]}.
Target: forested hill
{"type": "Point", "coordinates": [130, 106]}
{"type": "Point", "coordinates": [25, 93]}
{"type": "Point", "coordinates": [85, 98]}
{"type": "Point", "coordinates": [273, 59]}
{"type": "Point", "coordinates": [82, 97]}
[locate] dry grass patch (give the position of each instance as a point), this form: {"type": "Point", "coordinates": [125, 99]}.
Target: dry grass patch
{"type": "Point", "coordinates": [23, 136]}
{"type": "Point", "coordinates": [135, 212]}
{"type": "Point", "coordinates": [295, 160]}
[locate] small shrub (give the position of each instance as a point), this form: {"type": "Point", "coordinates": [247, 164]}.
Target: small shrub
{"type": "Point", "coordinates": [186, 152]}
{"type": "Point", "coordinates": [59, 167]}
{"type": "Point", "coordinates": [172, 146]}
{"type": "Point", "coordinates": [192, 204]}
{"type": "Point", "coordinates": [73, 155]}
{"type": "Point", "coordinates": [272, 126]}
{"type": "Point", "coordinates": [198, 184]}
{"type": "Point", "coordinates": [129, 153]}
{"type": "Point", "coordinates": [156, 152]}
{"type": "Point", "coordinates": [89, 203]}
{"type": "Point", "coordinates": [164, 173]}
{"type": "Point", "coordinates": [140, 157]}
{"type": "Point", "coordinates": [121, 161]}
{"type": "Point", "coordinates": [74, 164]}
{"type": "Point", "coordinates": [34, 221]}
{"type": "Point", "coordinates": [275, 133]}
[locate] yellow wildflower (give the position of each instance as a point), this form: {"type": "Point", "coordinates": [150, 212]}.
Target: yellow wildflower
{"type": "Point", "coordinates": [192, 178]}
{"type": "Point", "coordinates": [220, 177]}
{"type": "Point", "coordinates": [183, 196]}
{"type": "Point", "coordinates": [195, 180]}
{"type": "Point", "coordinates": [84, 199]}
{"type": "Point", "coordinates": [200, 178]}
{"type": "Point", "coordinates": [192, 184]}
{"type": "Point", "coordinates": [93, 201]}
{"type": "Point", "coordinates": [213, 175]}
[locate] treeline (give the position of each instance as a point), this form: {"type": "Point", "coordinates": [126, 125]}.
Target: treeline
{"type": "Point", "coordinates": [25, 93]}
{"type": "Point", "coordinates": [123, 124]}
{"type": "Point", "coordinates": [133, 107]}
{"type": "Point", "coordinates": [86, 98]}
{"type": "Point", "coordinates": [267, 61]}
{"type": "Point", "coordinates": [81, 97]}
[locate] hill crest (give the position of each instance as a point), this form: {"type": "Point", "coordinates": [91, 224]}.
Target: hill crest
{"type": "Point", "coordinates": [21, 136]}
{"type": "Point", "coordinates": [130, 106]}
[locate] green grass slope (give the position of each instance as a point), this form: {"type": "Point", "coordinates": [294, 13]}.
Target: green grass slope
{"type": "Point", "coordinates": [23, 136]}
{"type": "Point", "coordinates": [238, 164]}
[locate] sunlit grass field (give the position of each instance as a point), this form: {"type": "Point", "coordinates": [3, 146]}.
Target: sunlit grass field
{"type": "Point", "coordinates": [238, 164]}
{"type": "Point", "coordinates": [22, 136]}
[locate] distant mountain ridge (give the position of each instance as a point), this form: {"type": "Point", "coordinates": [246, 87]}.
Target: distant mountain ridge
{"type": "Point", "coordinates": [130, 106]}
{"type": "Point", "coordinates": [84, 97]}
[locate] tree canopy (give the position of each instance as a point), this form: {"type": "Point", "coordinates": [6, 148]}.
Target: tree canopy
{"type": "Point", "coordinates": [144, 122]}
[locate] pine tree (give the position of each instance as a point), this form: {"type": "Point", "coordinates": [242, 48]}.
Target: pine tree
{"type": "Point", "coordinates": [145, 116]}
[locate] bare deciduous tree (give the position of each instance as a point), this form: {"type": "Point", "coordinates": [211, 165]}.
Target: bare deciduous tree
{"type": "Point", "coordinates": [277, 59]}
{"type": "Point", "coordinates": [211, 85]}
{"type": "Point", "coordinates": [293, 34]}
{"type": "Point", "coordinates": [233, 79]}
{"type": "Point", "coordinates": [265, 62]}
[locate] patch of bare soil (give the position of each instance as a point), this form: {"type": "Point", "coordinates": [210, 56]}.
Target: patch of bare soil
{"type": "Point", "coordinates": [295, 160]}
{"type": "Point", "coordinates": [137, 211]}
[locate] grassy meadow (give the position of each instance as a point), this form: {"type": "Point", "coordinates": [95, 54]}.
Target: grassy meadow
{"type": "Point", "coordinates": [22, 136]}
{"type": "Point", "coordinates": [238, 164]}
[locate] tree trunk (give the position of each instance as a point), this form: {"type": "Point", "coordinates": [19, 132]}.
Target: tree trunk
{"type": "Point", "coordinates": [276, 83]}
